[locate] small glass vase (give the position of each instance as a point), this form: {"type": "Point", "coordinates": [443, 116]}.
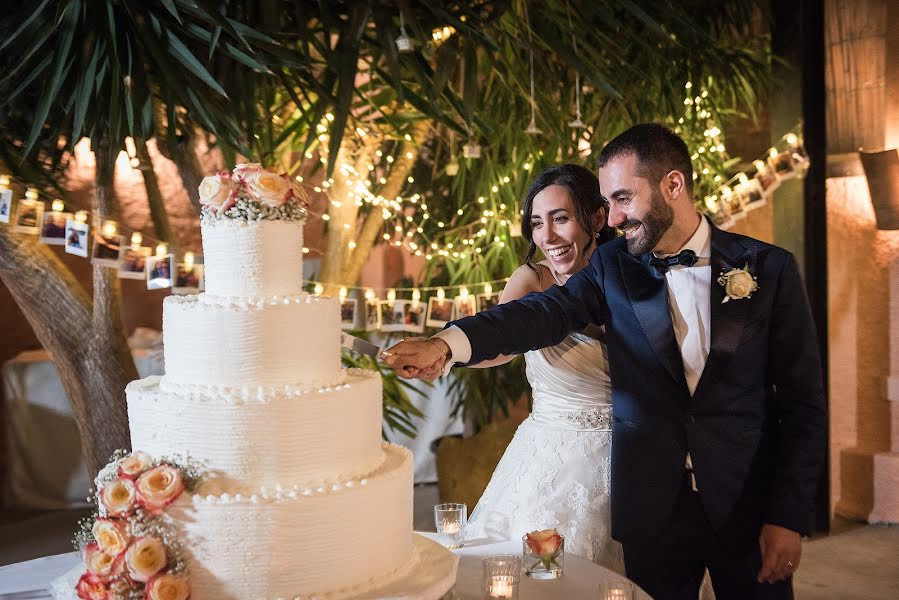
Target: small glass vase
{"type": "Point", "coordinates": [543, 567]}
{"type": "Point", "coordinates": [502, 573]}
{"type": "Point", "coordinates": [616, 590]}
{"type": "Point", "coordinates": [450, 520]}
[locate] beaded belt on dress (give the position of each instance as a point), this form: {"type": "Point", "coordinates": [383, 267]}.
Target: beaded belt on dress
{"type": "Point", "coordinates": [598, 418]}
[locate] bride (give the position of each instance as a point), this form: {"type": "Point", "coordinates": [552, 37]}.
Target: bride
{"type": "Point", "coordinates": [555, 472]}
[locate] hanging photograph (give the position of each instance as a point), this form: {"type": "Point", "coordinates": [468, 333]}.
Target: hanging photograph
{"type": "Point", "coordinates": [750, 194]}
{"type": "Point", "coordinates": [766, 178]}
{"type": "Point", "coordinates": [392, 315]}
{"type": "Point", "coordinates": [188, 278]}
{"type": "Point", "coordinates": [133, 262]}
{"type": "Point", "coordinates": [348, 313]}
{"type": "Point", "coordinates": [29, 215]}
{"type": "Point", "coordinates": [487, 301]}
{"type": "Point", "coordinates": [5, 205]}
{"type": "Point", "coordinates": [466, 306]}
{"type": "Point", "coordinates": [159, 272]}
{"type": "Point", "coordinates": [76, 238]}
{"type": "Point", "coordinates": [414, 317]}
{"type": "Point", "coordinates": [439, 312]}
{"type": "Point", "coordinates": [372, 316]}
{"type": "Point", "coordinates": [107, 250]}
{"type": "Point", "coordinates": [53, 228]}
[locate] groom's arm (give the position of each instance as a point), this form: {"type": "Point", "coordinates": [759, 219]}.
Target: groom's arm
{"type": "Point", "coordinates": [800, 404]}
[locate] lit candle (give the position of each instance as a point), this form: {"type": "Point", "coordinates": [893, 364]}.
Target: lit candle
{"type": "Point", "coordinates": [501, 586]}
{"type": "Point", "coordinates": [617, 594]}
{"type": "Point", "coordinates": [451, 527]}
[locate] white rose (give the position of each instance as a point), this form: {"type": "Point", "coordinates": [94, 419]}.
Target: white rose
{"type": "Point", "coordinates": [215, 191]}
{"type": "Point", "coordinates": [118, 498]}
{"type": "Point", "coordinates": [145, 558]}
{"type": "Point", "coordinates": [168, 587]}
{"type": "Point", "coordinates": [112, 536]}
{"type": "Point", "coordinates": [268, 188]}
{"type": "Point", "coordinates": [740, 284]}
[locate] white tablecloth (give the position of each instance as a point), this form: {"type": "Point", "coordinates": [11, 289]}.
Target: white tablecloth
{"type": "Point", "coordinates": [580, 580]}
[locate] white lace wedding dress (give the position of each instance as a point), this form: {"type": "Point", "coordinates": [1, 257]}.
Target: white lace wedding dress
{"type": "Point", "coordinates": [556, 471]}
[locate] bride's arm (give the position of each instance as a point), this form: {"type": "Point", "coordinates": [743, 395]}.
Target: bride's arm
{"type": "Point", "coordinates": [522, 282]}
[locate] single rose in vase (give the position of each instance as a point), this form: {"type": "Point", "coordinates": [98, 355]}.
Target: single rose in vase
{"type": "Point", "coordinates": [544, 544]}
{"type": "Point", "coordinates": [117, 498]}
{"type": "Point", "coordinates": [159, 487]}
{"type": "Point", "coordinates": [100, 563]}
{"type": "Point", "coordinates": [134, 464]}
{"type": "Point", "coordinates": [112, 535]}
{"type": "Point", "coordinates": [167, 587]}
{"type": "Point", "coordinates": [145, 558]}
{"type": "Point", "coordinates": [270, 189]}
{"type": "Point", "coordinates": [216, 192]}
{"type": "Point", "coordinates": [91, 587]}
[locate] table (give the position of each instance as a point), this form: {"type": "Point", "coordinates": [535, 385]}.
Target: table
{"type": "Point", "coordinates": [27, 579]}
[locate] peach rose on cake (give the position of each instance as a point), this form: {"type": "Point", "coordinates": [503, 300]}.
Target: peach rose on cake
{"type": "Point", "coordinates": [159, 487]}
{"type": "Point", "coordinates": [270, 189]}
{"type": "Point", "coordinates": [216, 191]}
{"type": "Point", "coordinates": [167, 587]}
{"type": "Point", "coordinates": [91, 587]}
{"type": "Point", "coordinates": [102, 564]}
{"type": "Point", "coordinates": [118, 498]}
{"type": "Point", "coordinates": [243, 170]}
{"type": "Point", "coordinates": [112, 536]}
{"type": "Point", "coordinates": [145, 558]}
{"type": "Point", "coordinates": [134, 464]}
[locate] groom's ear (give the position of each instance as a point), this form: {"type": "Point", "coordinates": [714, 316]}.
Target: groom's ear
{"type": "Point", "coordinates": [675, 184]}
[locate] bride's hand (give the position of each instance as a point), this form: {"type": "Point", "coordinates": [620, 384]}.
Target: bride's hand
{"type": "Point", "coordinates": [417, 358]}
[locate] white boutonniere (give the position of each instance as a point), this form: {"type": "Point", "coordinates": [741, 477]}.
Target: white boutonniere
{"type": "Point", "coordinates": [738, 284]}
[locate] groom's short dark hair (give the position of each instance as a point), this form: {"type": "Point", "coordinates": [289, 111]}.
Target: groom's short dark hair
{"type": "Point", "coordinates": [658, 150]}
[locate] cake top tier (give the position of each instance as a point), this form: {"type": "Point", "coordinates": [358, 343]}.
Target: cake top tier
{"type": "Point", "coordinates": [251, 193]}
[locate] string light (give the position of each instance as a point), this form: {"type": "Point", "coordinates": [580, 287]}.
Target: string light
{"type": "Point", "coordinates": [189, 259]}
{"type": "Point", "coordinates": [319, 289]}
{"type": "Point", "coordinates": [161, 249]}
{"type": "Point", "coordinates": [109, 229]}
{"type": "Point", "coordinates": [136, 239]}
{"type": "Point", "coordinates": [57, 206]}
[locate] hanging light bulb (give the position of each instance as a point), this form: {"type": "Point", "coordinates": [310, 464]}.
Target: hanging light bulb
{"type": "Point", "coordinates": [319, 289]}
{"type": "Point", "coordinates": [81, 216]}
{"type": "Point", "coordinates": [463, 293]}
{"type": "Point", "coordinates": [342, 293]}
{"type": "Point", "coordinates": [792, 139]}
{"type": "Point", "coordinates": [189, 259]}
{"type": "Point", "coordinates": [369, 294]}
{"type": "Point", "coordinates": [416, 297]}
{"type": "Point", "coordinates": [31, 193]}
{"type": "Point", "coordinates": [4, 182]}
{"type": "Point", "coordinates": [162, 249]}
{"type": "Point", "coordinates": [488, 289]}
{"type": "Point", "coordinates": [452, 167]}
{"type": "Point", "coordinates": [57, 205]}
{"type": "Point", "coordinates": [391, 295]}
{"type": "Point", "coordinates": [441, 295]}
{"type": "Point", "coordinates": [136, 239]}
{"type": "Point", "coordinates": [404, 43]}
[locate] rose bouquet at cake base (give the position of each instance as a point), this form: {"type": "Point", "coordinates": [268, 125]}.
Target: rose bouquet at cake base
{"type": "Point", "coordinates": [130, 549]}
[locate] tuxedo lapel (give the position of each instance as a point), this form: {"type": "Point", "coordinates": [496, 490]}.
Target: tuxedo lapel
{"type": "Point", "coordinates": [648, 294]}
{"type": "Point", "coordinates": [727, 318]}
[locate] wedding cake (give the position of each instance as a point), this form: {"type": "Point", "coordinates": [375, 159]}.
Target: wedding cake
{"type": "Point", "coordinates": [299, 497]}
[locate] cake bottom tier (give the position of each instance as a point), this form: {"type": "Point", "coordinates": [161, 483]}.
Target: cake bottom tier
{"type": "Point", "coordinates": [326, 542]}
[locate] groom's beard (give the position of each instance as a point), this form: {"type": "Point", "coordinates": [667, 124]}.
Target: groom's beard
{"type": "Point", "coordinates": [654, 225]}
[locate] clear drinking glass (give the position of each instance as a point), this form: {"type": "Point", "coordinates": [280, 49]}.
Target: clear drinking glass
{"type": "Point", "coordinates": [540, 564]}
{"type": "Point", "coordinates": [502, 574]}
{"type": "Point", "coordinates": [451, 519]}
{"type": "Point", "coordinates": [616, 590]}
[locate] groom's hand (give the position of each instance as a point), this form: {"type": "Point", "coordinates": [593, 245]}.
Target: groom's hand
{"type": "Point", "coordinates": [781, 551]}
{"type": "Point", "coordinates": [418, 358]}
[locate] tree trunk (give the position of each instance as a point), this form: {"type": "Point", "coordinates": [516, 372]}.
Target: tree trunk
{"type": "Point", "coordinates": [158, 214]}
{"type": "Point", "coordinates": [189, 168]}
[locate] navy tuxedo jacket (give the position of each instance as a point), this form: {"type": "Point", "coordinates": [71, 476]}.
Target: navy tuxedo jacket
{"type": "Point", "coordinates": [755, 426]}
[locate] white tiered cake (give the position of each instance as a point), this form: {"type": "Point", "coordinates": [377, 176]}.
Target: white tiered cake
{"type": "Point", "coordinates": [299, 495]}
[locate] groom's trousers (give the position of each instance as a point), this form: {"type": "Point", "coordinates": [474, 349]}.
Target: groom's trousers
{"type": "Point", "coordinates": [671, 567]}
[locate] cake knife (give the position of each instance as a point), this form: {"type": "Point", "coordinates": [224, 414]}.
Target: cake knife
{"type": "Point", "coordinates": [359, 345]}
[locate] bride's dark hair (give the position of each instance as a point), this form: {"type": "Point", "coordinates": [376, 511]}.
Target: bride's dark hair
{"type": "Point", "coordinates": [583, 187]}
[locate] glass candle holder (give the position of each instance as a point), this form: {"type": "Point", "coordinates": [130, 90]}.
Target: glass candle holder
{"type": "Point", "coordinates": [451, 519]}
{"type": "Point", "coordinates": [616, 590]}
{"type": "Point", "coordinates": [542, 560]}
{"type": "Point", "coordinates": [502, 574]}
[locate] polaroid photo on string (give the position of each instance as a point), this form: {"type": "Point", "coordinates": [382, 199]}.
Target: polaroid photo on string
{"type": "Point", "coordinates": [5, 205]}
{"type": "Point", "coordinates": [188, 278]}
{"type": "Point", "coordinates": [734, 205]}
{"type": "Point", "coordinates": [53, 228]}
{"type": "Point", "coordinates": [107, 250]}
{"type": "Point", "coordinates": [487, 301]}
{"type": "Point", "coordinates": [765, 176]}
{"type": "Point", "coordinates": [783, 165]}
{"type": "Point", "coordinates": [133, 262]}
{"type": "Point", "coordinates": [348, 308]}
{"type": "Point", "coordinates": [159, 272]}
{"type": "Point", "coordinates": [414, 316]}
{"type": "Point", "coordinates": [466, 306]}
{"type": "Point", "coordinates": [440, 312]}
{"type": "Point", "coordinates": [372, 315]}
{"type": "Point", "coordinates": [76, 238]}
{"type": "Point", "coordinates": [29, 215]}
{"type": "Point", "coordinates": [392, 317]}
{"type": "Point", "coordinates": [751, 194]}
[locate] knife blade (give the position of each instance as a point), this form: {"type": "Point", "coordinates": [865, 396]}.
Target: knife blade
{"type": "Point", "coordinates": [359, 345]}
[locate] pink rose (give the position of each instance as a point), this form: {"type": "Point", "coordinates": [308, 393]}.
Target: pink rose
{"type": "Point", "coordinates": [91, 587]}
{"type": "Point", "coordinates": [112, 535]}
{"type": "Point", "coordinates": [544, 543]}
{"type": "Point", "coordinates": [102, 564]}
{"type": "Point", "coordinates": [216, 192]}
{"type": "Point", "coordinates": [270, 189]}
{"type": "Point", "coordinates": [243, 170]}
{"type": "Point", "coordinates": [167, 587]}
{"type": "Point", "coordinates": [158, 487]}
{"type": "Point", "coordinates": [145, 558]}
{"type": "Point", "coordinates": [134, 464]}
{"type": "Point", "coordinates": [118, 498]}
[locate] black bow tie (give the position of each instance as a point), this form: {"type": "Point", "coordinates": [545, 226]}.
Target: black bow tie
{"type": "Point", "coordinates": [686, 258]}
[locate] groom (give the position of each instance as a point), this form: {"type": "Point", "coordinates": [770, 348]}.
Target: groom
{"type": "Point", "coordinates": [719, 408]}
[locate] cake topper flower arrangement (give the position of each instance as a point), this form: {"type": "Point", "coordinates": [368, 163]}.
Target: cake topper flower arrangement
{"type": "Point", "coordinates": [130, 551]}
{"type": "Point", "coordinates": [251, 193]}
